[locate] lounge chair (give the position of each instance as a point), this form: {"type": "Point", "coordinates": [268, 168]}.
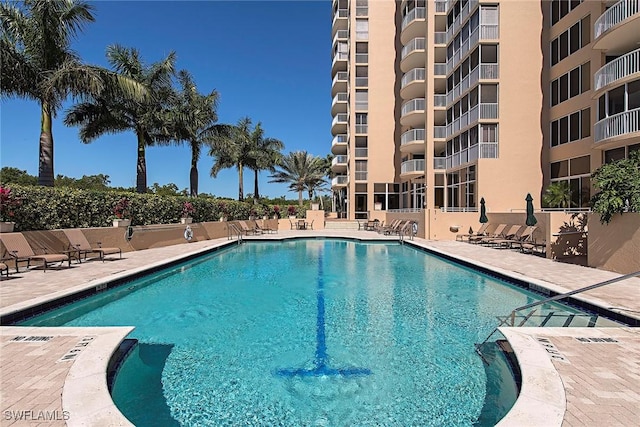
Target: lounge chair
{"type": "Point", "coordinates": [398, 227]}
{"type": "Point", "coordinates": [497, 233]}
{"type": "Point", "coordinates": [79, 243]}
{"type": "Point", "coordinates": [523, 237]}
{"type": "Point", "coordinates": [512, 233]}
{"type": "Point", "coordinates": [4, 269]}
{"type": "Point", "coordinates": [389, 227]}
{"type": "Point", "coordinates": [265, 228]}
{"type": "Point", "coordinates": [480, 233]}
{"type": "Point", "coordinates": [19, 249]}
{"type": "Point", "coordinates": [534, 246]}
{"type": "Point", "coordinates": [246, 229]}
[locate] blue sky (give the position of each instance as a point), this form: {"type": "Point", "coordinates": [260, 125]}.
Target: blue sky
{"type": "Point", "coordinates": [269, 60]}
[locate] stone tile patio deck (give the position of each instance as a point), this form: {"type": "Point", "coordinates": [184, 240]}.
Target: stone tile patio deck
{"type": "Point", "coordinates": [600, 384]}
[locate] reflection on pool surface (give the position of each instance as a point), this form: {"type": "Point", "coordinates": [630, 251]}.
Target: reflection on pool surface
{"type": "Point", "coordinates": [306, 332]}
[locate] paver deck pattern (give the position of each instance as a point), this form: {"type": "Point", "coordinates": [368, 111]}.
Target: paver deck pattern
{"type": "Point", "coordinates": [602, 381]}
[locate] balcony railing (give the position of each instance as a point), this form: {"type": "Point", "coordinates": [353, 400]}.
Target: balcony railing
{"type": "Point", "coordinates": [480, 111]}
{"type": "Point", "coordinates": [340, 35]}
{"type": "Point", "coordinates": [483, 32]}
{"type": "Point", "coordinates": [617, 69]}
{"type": "Point", "coordinates": [418, 43]}
{"type": "Point", "coordinates": [417, 13]}
{"type": "Point", "coordinates": [362, 58]}
{"type": "Point", "coordinates": [440, 132]}
{"type": "Point", "coordinates": [484, 150]}
{"type": "Point", "coordinates": [412, 135]}
{"type": "Point", "coordinates": [439, 100]}
{"type": "Point", "coordinates": [361, 152]}
{"type": "Point", "coordinates": [339, 56]}
{"type": "Point", "coordinates": [411, 76]}
{"type": "Point", "coordinates": [617, 125]}
{"type": "Point", "coordinates": [340, 77]}
{"type": "Point", "coordinates": [482, 71]}
{"type": "Point", "coordinates": [417, 104]}
{"type": "Point", "coordinates": [341, 13]}
{"type": "Point", "coordinates": [464, 14]}
{"type": "Point", "coordinates": [339, 180]}
{"type": "Point", "coordinates": [440, 69]}
{"type": "Point", "coordinates": [339, 139]}
{"type": "Point", "coordinates": [340, 119]}
{"type": "Point", "coordinates": [441, 6]}
{"type": "Point", "coordinates": [341, 159]}
{"type": "Point", "coordinates": [361, 128]}
{"type": "Point", "coordinates": [614, 15]}
{"type": "Point", "coordinates": [340, 97]}
{"type": "Point", "coordinates": [440, 37]}
{"type": "Point", "coordinates": [439, 162]}
{"type": "Point", "coordinates": [415, 165]}
{"type": "Point", "coordinates": [362, 81]}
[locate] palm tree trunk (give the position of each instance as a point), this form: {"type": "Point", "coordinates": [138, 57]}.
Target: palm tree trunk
{"type": "Point", "coordinates": [193, 173]}
{"type": "Point", "coordinates": [45, 172]}
{"type": "Point", "coordinates": [141, 172]}
{"type": "Point", "coordinates": [256, 194]}
{"type": "Point", "coordinates": [300, 197]}
{"type": "Point", "coordinates": [240, 183]}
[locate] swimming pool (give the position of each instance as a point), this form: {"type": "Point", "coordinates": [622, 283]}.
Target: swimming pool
{"type": "Point", "coordinates": [309, 332]}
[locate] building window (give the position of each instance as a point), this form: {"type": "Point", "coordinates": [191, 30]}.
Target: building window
{"type": "Point", "coordinates": [572, 84]}
{"type": "Point", "coordinates": [560, 8]}
{"type": "Point", "coordinates": [362, 29]}
{"type": "Point", "coordinates": [571, 128]}
{"type": "Point", "coordinates": [361, 123]}
{"type": "Point", "coordinates": [576, 173]}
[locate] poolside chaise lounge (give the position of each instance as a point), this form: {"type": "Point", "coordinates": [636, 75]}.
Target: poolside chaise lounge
{"type": "Point", "coordinates": [18, 248]}
{"type": "Point", "coordinates": [481, 232]}
{"type": "Point", "coordinates": [248, 230]}
{"type": "Point", "coordinates": [264, 228]}
{"type": "Point", "coordinates": [497, 233]}
{"type": "Point", "coordinates": [525, 236]}
{"type": "Point", "coordinates": [78, 242]}
{"type": "Point", "coordinates": [4, 269]}
{"type": "Point", "coordinates": [389, 227]}
{"type": "Point", "coordinates": [511, 233]}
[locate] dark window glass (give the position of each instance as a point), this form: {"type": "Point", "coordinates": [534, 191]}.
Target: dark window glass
{"type": "Point", "coordinates": [564, 130]}
{"type": "Point", "coordinates": [564, 8]}
{"type": "Point", "coordinates": [575, 3]}
{"type": "Point", "coordinates": [559, 169]}
{"type": "Point", "coordinates": [602, 109]}
{"type": "Point", "coordinates": [633, 95]}
{"type": "Point", "coordinates": [613, 155]}
{"type": "Point", "coordinates": [586, 30]}
{"type": "Point", "coordinates": [574, 82]}
{"type": "Point", "coordinates": [574, 126]}
{"type": "Point", "coordinates": [554, 133]}
{"type": "Point", "coordinates": [554, 92]}
{"type": "Point", "coordinates": [634, 147]}
{"type": "Point", "coordinates": [574, 38]}
{"type": "Point", "coordinates": [465, 104]}
{"type": "Point", "coordinates": [585, 117]}
{"type": "Point", "coordinates": [554, 52]}
{"type": "Point", "coordinates": [473, 97]}
{"type": "Point", "coordinates": [475, 58]}
{"type": "Point", "coordinates": [580, 165]}
{"type": "Point", "coordinates": [564, 87]}
{"type": "Point", "coordinates": [616, 101]}
{"type": "Point", "coordinates": [564, 45]}
{"type": "Point", "coordinates": [555, 11]}
{"type": "Point", "coordinates": [586, 76]}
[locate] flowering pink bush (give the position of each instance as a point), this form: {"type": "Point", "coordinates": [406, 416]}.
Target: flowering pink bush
{"type": "Point", "coordinates": [7, 203]}
{"type": "Point", "coordinates": [121, 209]}
{"type": "Point", "coordinates": [187, 209]}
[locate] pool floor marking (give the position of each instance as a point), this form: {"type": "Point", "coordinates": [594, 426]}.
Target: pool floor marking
{"type": "Point", "coordinates": [321, 362]}
{"type": "Point", "coordinates": [73, 353]}
{"type": "Point", "coordinates": [551, 349]}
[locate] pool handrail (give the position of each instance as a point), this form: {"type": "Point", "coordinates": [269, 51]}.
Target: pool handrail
{"type": "Point", "coordinates": [232, 227]}
{"type": "Point", "coordinates": [510, 319]}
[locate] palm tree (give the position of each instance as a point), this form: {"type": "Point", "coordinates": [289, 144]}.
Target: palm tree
{"type": "Point", "coordinates": [558, 195]}
{"type": "Point", "coordinates": [37, 63]}
{"type": "Point", "coordinates": [234, 149]}
{"type": "Point", "coordinates": [192, 120]}
{"type": "Point", "coordinates": [302, 171]}
{"type": "Point", "coordinates": [266, 155]}
{"type": "Point", "coordinates": [112, 114]}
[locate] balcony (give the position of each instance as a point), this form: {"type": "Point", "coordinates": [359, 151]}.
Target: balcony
{"type": "Point", "coordinates": [440, 132]}
{"type": "Point", "coordinates": [340, 20]}
{"type": "Point", "coordinates": [618, 27]}
{"type": "Point", "coordinates": [341, 36]}
{"type": "Point", "coordinates": [413, 141]}
{"type": "Point", "coordinates": [339, 83]}
{"type": "Point", "coordinates": [483, 150]}
{"type": "Point", "coordinates": [483, 32]}
{"type": "Point", "coordinates": [361, 153]}
{"type": "Point", "coordinates": [481, 72]}
{"type": "Point", "coordinates": [412, 168]}
{"type": "Point", "coordinates": [439, 100]}
{"type": "Point", "coordinates": [413, 24]}
{"type": "Point", "coordinates": [412, 84]}
{"type": "Point", "coordinates": [339, 62]}
{"type": "Point", "coordinates": [439, 162]}
{"type": "Point", "coordinates": [339, 144]}
{"type": "Point", "coordinates": [619, 126]}
{"type": "Point", "coordinates": [339, 103]}
{"type": "Point", "coordinates": [339, 163]}
{"type": "Point", "coordinates": [619, 70]}
{"type": "Point", "coordinates": [339, 181]}
{"type": "Point", "coordinates": [360, 176]}
{"type": "Point", "coordinates": [412, 55]}
{"type": "Point", "coordinates": [412, 113]}
{"type": "Point", "coordinates": [482, 111]}
{"type": "Point", "coordinates": [441, 6]}
{"type": "Point", "coordinates": [339, 124]}
{"type": "Point", "coordinates": [440, 38]}
{"type": "Point", "coordinates": [440, 69]}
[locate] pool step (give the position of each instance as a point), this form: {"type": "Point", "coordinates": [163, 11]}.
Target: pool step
{"type": "Point", "coordinates": [561, 319]}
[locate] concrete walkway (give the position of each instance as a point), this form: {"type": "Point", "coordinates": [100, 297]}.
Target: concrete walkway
{"type": "Point", "coordinates": [600, 374]}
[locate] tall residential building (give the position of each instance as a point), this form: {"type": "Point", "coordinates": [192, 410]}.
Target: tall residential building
{"type": "Point", "coordinates": [439, 103]}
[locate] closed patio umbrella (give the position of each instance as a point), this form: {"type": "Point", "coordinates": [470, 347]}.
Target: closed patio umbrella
{"type": "Point", "coordinates": [531, 219]}
{"type": "Point", "coordinates": [483, 212]}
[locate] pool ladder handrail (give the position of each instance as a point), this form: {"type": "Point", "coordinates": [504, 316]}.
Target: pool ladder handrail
{"type": "Point", "coordinates": [231, 227]}
{"type": "Point", "coordinates": [408, 226]}
{"type": "Point", "coordinates": [510, 320]}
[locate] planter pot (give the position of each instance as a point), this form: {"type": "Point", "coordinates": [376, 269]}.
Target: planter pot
{"type": "Point", "coordinates": [121, 222]}
{"type": "Point", "coordinates": [222, 219]}
{"type": "Point", "coordinates": [315, 206]}
{"type": "Point", "coordinates": [6, 227]}
{"type": "Point", "coordinates": [186, 220]}
{"type": "Point", "coordinates": [292, 217]}
{"type": "Point", "coordinates": [275, 217]}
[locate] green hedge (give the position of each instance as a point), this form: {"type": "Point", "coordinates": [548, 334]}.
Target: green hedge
{"type": "Point", "coordinates": [46, 208]}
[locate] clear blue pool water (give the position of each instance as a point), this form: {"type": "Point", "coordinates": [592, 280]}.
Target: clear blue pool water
{"type": "Point", "coordinates": [306, 332]}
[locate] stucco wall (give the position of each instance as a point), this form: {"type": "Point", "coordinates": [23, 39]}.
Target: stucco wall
{"type": "Point", "coordinates": [615, 246]}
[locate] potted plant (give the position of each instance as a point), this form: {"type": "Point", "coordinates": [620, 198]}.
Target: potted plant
{"type": "Point", "coordinates": [291, 210]}
{"type": "Point", "coordinates": [121, 212]}
{"type": "Point", "coordinates": [187, 211]}
{"type": "Point", "coordinates": [253, 214]}
{"type": "Point", "coordinates": [276, 212]}
{"type": "Point", "coordinates": [8, 202]}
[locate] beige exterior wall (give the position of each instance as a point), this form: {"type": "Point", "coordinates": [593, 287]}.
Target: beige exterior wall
{"type": "Point", "coordinates": [615, 246]}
